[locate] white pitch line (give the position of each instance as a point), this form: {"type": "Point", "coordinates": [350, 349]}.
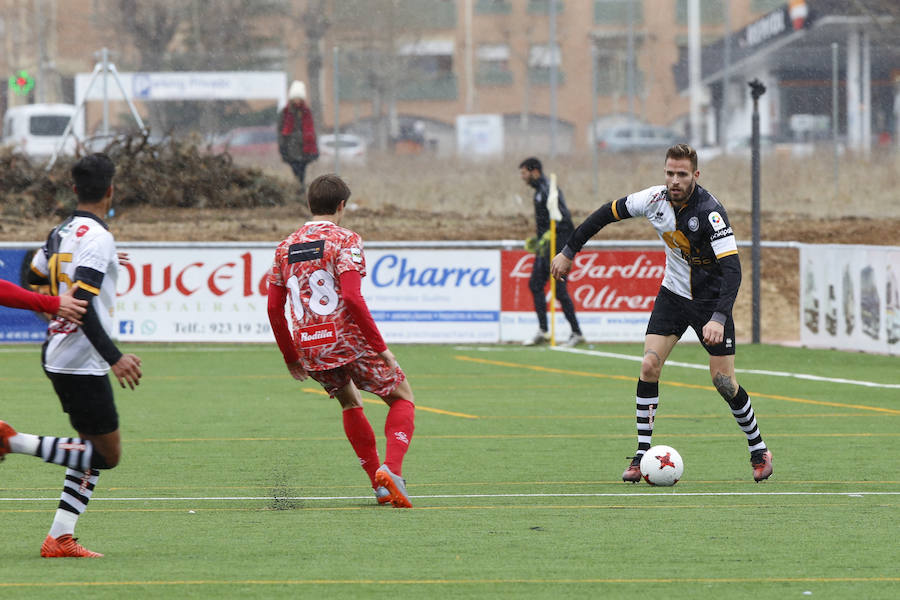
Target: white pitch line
{"type": "Point", "coordinates": [432, 496]}
{"type": "Point", "coordinates": [890, 386]}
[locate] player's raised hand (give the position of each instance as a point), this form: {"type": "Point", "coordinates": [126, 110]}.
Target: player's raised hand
{"type": "Point", "coordinates": [128, 370]}
{"type": "Point", "coordinates": [70, 307]}
{"type": "Point", "coordinates": [297, 371]}
{"type": "Point", "coordinates": [560, 266]}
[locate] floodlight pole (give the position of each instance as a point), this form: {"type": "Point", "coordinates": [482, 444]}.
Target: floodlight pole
{"type": "Point", "coordinates": [834, 116]}
{"type": "Point", "coordinates": [553, 78]}
{"type": "Point", "coordinates": [337, 106]}
{"type": "Point", "coordinates": [757, 89]}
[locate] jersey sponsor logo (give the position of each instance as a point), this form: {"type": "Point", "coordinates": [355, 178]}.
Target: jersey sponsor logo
{"type": "Point", "coordinates": [721, 234]}
{"type": "Point", "coordinates": [693, 223]}
{"type": "Point", "coordinates": [317, 335]}
{"type": "Point", "coordinates": [305, 251]}
{"type": "Point", "coordinates": [82, 230]}
{"type": "Point", "coordinates": [356, 254]}
{"type": "Point", "coordinates": [716, 220]}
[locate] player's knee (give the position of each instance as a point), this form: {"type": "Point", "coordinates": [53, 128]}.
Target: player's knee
{"type": "Point", "coordinates": [650, 368]}
{"type": "Point", "coordinates": [106, 460]}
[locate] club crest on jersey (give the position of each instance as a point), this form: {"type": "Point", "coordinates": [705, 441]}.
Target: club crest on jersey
{"type": "Point", "coordinates": [716, 220]}
{"type": "Point", "coordinates": [356, 254]}
{"type": "Point", "coordinates": [693, 223]}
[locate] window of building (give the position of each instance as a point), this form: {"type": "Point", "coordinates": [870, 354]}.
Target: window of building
{"type": "Point", "coordinates": [615, 12]}
{"type": "Point", "coordinates": [712, 12]}
{"type": "Point", "coordinates": [766, 6]}
{"type": "Point", "coordinates": [428, 71]}
{"type": "Point", "coordinates": [612, 70]}
{"type": "Point", "coordinates": [493, 7]}
{"type": "Point", "coordinates": [541, 57]}
{"type": "Point", "coordinates": [542, 7]}
{"type": "Point", "coordinates": [492, 65]}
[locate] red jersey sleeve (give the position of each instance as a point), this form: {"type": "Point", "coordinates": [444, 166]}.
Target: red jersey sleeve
{"type": "Point", "coordinates": [356, 305]}
{"type": "Point", "coordinates": [13, 296]}
{"type": "Point", "coordinates": [280, 329]}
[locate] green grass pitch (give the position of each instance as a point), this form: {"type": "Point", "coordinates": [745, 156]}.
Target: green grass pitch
{"type": "Point", "coordinates": [237, 481]}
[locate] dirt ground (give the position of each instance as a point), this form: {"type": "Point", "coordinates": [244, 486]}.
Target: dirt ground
{"type": "Point", "coordinates": [779, 276]}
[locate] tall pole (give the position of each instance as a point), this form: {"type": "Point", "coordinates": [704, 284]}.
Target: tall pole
{"type": "Point", "coordinates": [104, 57]}
{"type": "Point", "coordinates": [866, 100]}
{"type": "Point", "coordinates": [694, 71]}
{"type": "Point", "coordinates": [553, 74]}
{"type": "Point", "coordinates": [470, 61]}
{"type": "Point", "coordinates": [337, 114]}
{"type": "Point", "coordinates": [595, 157]}
{"type": "Point", "coordinates": [757, 89]}
{"type": "Point", "coordinates": [629, 62]}
{"type": "Point", "coordinates": [726, 80]}
{"type": "Point", "coordinates": [834, 115]}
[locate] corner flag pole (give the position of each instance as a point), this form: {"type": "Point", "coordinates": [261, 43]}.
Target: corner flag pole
{"type": "Point", "coordinates": [555, 215]}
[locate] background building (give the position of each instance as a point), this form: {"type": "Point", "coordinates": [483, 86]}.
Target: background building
{"type": "Point", "coordinates": [403, 70]}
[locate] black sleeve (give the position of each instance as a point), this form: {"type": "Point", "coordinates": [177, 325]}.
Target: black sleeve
{"type": "Point", "coordinates": [34, 278]}
{"type": "Point", "coordinates": [91, 322]}
{"type": "Point", "coordinates": [600, 218]}
{"type": "Point", "coordinates": [731, 282]}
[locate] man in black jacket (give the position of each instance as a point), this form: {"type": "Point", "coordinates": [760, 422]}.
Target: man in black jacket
{"type": "Point", "coordinates": [532, 174]}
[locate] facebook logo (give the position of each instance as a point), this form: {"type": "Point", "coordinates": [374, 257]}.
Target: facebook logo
{"type": "Point", "coordinates": [126, 327]}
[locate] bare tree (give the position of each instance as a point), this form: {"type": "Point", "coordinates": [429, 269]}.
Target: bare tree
{"type": "Point", "coordinates": [371, 33]}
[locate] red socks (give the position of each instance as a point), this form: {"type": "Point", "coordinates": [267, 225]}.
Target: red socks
{"type": "Point", "coordinates": [398, 429]}
{"type": "Point", "coordinates": [362, 438]}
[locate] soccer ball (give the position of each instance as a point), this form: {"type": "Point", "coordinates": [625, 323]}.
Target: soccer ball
{"type": "Point", "coordinates": [662, 465]}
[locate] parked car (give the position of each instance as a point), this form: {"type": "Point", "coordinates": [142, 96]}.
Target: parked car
{"type": "Point", "coordinates": [739, 147]}
{"type": "Point", "coordinates": [36, 129]}
{"type": "Point", "coordinates": [636, 138]}
{"type": "Point", "coordinates": [350, 148]}
{"type": "Point", "coordinates": [249, 143]}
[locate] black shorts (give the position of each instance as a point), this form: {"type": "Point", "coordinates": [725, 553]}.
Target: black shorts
{"type": "Point", "coordinates": [673, 314]}
{"type": "Point", "coordinates": [88, 400]}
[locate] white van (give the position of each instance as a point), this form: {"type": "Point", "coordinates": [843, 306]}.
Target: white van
{"type": "Point", "coordinates": [36, 129]}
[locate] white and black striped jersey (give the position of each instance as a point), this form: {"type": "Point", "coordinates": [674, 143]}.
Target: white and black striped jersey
{"type": "Point", "coordinates": [80, 250]}
{"type": "Point", "coordinates": [701, 251]}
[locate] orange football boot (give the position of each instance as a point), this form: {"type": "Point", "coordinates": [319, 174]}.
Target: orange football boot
{"type": "Point", "coordinates": [761, 460]}
{"type": "Point", "coordinates": [633, 473]}
{"type": "Point", "coordinates": [395, 485]}
{"type": "Point", "coordinates": [65, 546]}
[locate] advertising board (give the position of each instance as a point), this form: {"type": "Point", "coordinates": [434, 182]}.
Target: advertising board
{"type": "Point", "coordinates": [613, 293]}
{"type": "Point", "coordinates": [849, 298]}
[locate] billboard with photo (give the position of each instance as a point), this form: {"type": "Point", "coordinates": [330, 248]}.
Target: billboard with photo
{"type": "Point", "coordinates": [849, 298]}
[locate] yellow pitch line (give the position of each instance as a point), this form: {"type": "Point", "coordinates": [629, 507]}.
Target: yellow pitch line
{"type": "Point", "coordinates": [508, 436]}
{"type": "Point", "coordinates": [453, 484]}
{"type": "Point", "coordinates": [516, 507]}
{"type": "Point", "coordinates": [543, 369]}
{"type": "Point", "coordinates": [445, 582]}
{"type": "Point", "coordinates": [766, 416]}
{"type": "Point", "coordinates": [418, 406]}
